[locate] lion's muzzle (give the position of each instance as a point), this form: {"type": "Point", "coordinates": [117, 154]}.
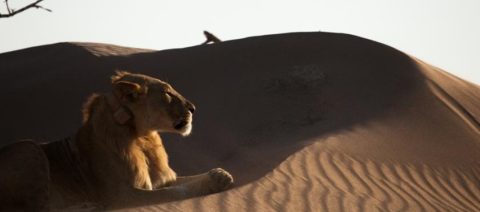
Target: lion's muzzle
{"type": "Point", "coordinates": [184, 125]}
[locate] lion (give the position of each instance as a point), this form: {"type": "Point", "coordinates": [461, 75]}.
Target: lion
{"type": "Point", "coordinates": [116, 159]}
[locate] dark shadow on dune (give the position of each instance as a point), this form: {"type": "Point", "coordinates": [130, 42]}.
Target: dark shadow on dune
{"type": "Point", "coordinates": [259, 99]}
{"type": "Point", "coordinates": [43, 89]}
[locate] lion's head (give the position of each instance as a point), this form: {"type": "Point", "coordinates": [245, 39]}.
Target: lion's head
{"type": "Point", "coordinates": [151, 104]}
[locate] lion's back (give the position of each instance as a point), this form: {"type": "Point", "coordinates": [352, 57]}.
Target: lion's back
{"type": "Point", "coordinates": [69, 183]}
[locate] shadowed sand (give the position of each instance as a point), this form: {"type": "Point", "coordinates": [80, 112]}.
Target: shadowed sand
{"type": "Point", "coordinates": [304, 121]}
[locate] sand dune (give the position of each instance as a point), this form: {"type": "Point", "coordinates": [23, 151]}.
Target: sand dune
{"type": "Point", "coordinates": [315, 179]}
{"type": "Point", "coordinates": [304, 121]}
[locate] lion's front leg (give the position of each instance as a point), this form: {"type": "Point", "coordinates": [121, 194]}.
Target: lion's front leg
{"type": "Point", "coordinates": [215, 180]}
{"type": "Point", "coordinates": [161, 173]}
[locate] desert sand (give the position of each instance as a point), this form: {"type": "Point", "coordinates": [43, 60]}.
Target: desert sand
{"type": "Point", "coordinates": [303, 121]}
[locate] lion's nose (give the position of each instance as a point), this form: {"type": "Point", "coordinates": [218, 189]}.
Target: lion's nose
{"type": "Point", "coordinates": [191, 107]}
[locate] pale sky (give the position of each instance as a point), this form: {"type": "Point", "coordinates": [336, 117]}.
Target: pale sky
{"type": "Point", "coordinates": [444, 33]}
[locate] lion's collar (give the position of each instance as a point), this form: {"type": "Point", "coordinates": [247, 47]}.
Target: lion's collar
{"type": "Point", "coordinates": [121, 113]}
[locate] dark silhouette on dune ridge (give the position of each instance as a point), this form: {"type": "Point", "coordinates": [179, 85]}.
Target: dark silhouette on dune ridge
{"type": "Point", "coordinates": [210, 38]}
{"type": "Point", "coordinates": [303, 121]}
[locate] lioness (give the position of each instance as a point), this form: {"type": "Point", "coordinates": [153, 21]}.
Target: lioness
{"type": "Point", "coordinates": [116, 159]}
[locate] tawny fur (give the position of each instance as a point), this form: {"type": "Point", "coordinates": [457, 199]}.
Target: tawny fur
{"type": "Point", "coordinates": [133, 149]}
{"type": "Point", "coordinates": [141, 149]}
{"type": "Point", "coordinates": [117, 158]}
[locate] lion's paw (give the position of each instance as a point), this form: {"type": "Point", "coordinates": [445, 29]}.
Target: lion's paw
{"type": "Point", "coordinates": [164, 178]}
{"type": "Point", "coordinates": [221, 180]}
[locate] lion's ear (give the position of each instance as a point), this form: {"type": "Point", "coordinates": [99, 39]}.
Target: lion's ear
{"type": "Point", "coordinates": [129, 90]}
